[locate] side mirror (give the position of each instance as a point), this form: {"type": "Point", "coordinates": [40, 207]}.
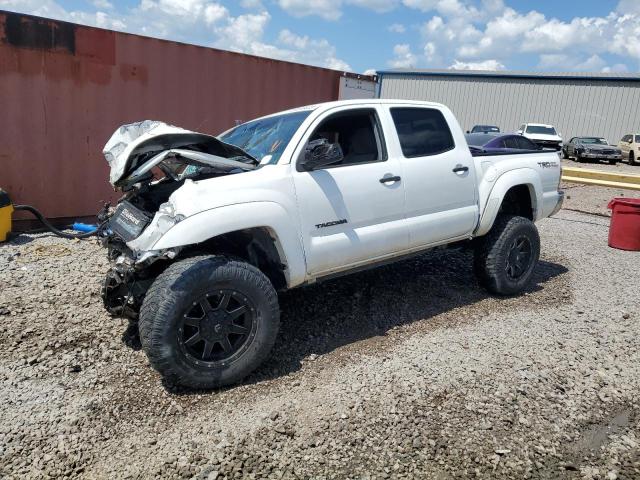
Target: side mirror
{"type": "Point", "coordinates": [468, 131]}
{"type": "Point", "coordinates": [319, 153]}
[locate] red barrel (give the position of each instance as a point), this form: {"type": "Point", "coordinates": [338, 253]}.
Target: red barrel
{"type": "Point", "coordinates": [624, 229]}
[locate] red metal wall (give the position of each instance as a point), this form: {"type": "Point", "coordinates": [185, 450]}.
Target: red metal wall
{"type": "Point", "coordinates": [65, 88]}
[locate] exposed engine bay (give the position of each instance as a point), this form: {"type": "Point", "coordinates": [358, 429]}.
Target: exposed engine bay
{"type": "Point", "coordinates": [149, 161]}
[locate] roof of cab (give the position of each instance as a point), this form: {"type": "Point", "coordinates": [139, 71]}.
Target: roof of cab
{"type": "Point", "coordinates": [341, 103]}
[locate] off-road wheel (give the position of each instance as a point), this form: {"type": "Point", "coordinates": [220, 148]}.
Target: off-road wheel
{"type": "Point", "coordinates": [506, 257]}
{"type": "Point", "coordinates": [565, 154]}
{"type": "Point", "coordinates": [632, 159]}
{"type": "Point", "coordinates": [209, 321]}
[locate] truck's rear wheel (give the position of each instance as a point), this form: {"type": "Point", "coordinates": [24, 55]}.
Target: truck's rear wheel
{"type": "Point", "coordinates": [209, 321]}
{"type": "Point", "coordinates": [506, 257]}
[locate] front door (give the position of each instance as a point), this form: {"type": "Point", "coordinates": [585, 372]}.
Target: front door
{"type": "Point", "coordinates": [438, 176]}
{"type": "Point", "coordinates": [351, 211]}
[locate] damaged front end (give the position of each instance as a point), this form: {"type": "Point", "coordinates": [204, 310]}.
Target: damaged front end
{"type": "Point", "coordinates": [149, 161]}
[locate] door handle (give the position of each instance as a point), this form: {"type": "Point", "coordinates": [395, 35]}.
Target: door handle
{"type": "Point", "coordinates": [390, 179]}
{"type": "Point", "coordinates": [460, 169]}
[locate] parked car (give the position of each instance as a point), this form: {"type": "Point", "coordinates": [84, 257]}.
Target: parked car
{"type": "Point", "coordinates": [294, 198]}
{"type": "Point", "coordinates": [630, 147]}
{"type": "Point", "coordinates": [484, 129]}
{"type": "Point", "coordinates": [481, 143]}
{"type": "Point", "coordinates": [591, 148]}
{"type": "Point", "coordinates": [544, 135]}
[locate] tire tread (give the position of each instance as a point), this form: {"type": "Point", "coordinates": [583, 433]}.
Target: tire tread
{"type": "Point", "coordinates": [487, 265]}
{"type": "Point", "coordinates": [158, 306]}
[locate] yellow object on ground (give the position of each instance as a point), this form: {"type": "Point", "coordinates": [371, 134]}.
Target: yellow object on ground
{"type": "Point", "coordinates": [598, 177]}
{"type": "Point", "coordinates": [6, 210]}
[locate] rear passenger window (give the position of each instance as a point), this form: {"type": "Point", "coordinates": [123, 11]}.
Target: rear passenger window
{"type": "Point", "coordinates": [511, 142]}
{"type": "Point", "coordinates": [422, 131]}
{"type": "Point", "coordinates": [525, 144]}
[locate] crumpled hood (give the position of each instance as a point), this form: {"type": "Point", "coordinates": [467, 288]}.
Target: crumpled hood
{"type": "Point", "coordinates": [131, 143]}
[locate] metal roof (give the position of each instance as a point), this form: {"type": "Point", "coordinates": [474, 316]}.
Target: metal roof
{"type": "Point", "coordinates": [623, 77]}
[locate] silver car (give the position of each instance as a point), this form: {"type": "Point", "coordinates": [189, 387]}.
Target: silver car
{"type": "Point", "coordinates": [591, 148]}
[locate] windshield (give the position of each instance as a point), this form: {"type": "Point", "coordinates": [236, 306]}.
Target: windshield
{"type": "Point", "coordinates": [479, 139]}
{"type": "Point", "coordinates": [485, 128]}
{"type": "Point", "coordinates": [266, 139]}
{"type": "Point", "coordinates": [593, 141]}
{"type": "Point", "coordinates": [637, 138]}
{"type": "Point", "coordinates": [539, 129]}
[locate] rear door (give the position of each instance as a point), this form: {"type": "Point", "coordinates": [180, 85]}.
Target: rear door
{"type": "Point", "coordinates": [438, 175]}
{"type": "Point", "coordinates": [352, 211]}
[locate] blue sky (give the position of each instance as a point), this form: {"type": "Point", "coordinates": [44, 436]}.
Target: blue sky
{"type": "Point", "coordinates": [362, 35]}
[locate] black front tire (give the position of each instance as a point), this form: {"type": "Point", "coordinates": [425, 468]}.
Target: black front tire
{"type": "Point", "coordinates": [229, 351]}
{"type": "Point", "coordinates": [565, 154]}
{"type": "Point", "coordinates": [495, 257]}
{"type": "Point", "coordinates": [632, 160]}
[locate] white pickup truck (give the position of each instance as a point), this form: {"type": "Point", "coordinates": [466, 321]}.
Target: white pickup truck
{"type": "Point", "coordinates": [210, 228]}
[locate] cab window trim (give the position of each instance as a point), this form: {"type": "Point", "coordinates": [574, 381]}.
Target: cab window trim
{"type": "Point", "coordinates": [377, 131]}
{"type": "Point", "coordinates": [422, 155]}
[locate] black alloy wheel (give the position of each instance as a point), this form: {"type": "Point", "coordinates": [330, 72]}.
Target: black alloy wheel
{"type": "Point", "coordinates": [208, 321]}
{"type": "Point", "coordinates": [506, 257]}
{"type": "Point", "coordinates": [519, 258]}
{"type": "Point", "coordinates": [217, 328]}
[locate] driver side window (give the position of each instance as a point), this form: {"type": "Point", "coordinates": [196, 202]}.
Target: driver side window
{"type": "Point", "coordinates": [357, 132]}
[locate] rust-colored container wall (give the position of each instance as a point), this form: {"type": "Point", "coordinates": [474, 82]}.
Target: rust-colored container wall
{"type": "Point", "coordinates": [65, 88]}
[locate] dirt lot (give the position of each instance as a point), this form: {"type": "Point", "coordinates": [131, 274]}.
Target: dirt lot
{"type": "Point", "coordinates": [408, 371]}
{"type": "Point", "coordinates": [594, 199]}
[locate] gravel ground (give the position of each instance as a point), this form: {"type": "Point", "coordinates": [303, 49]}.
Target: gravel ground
{"type": "Point", "coordinates": [622, 167]}
{"type": "Point", "coordinates": [410, 370]}
{"type": "Point", "coordinates": [594, 199]}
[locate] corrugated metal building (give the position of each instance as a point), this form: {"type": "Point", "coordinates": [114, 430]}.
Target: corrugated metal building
{"type": "Point", "coordinates": [606, 105]}
{"type": "Point", "coordinates": [64, 89]}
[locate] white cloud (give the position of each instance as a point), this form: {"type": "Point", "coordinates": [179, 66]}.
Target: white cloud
{"type": "Point", "coordinates": [102, 4]}
{"type": "Point", "coordinates": [332, 9]}
{"type": "Point", "coordinates": [403, 57]}
{"type": "Point", "coordinates": [564, 62]}
{"type": "Point", "coordinates": [42, 8]}
{"type": "Point", "coordinates": [327, 9]}
{"type": "Point", "coordinates": [626, 7]}
{"type": "Point", "coordinates": [308, 50]}
{"type": "Point", "coordinates": [396, 28]}
{"type": "Point", "coordinates": [617, 68]}
{"type": "Point", "coordinates": [251, 4]}
{"type": "Point", "coordinates": [203, 22]}
{"type": "Point", "coordinates": [472, 34]}
{"type": "Point", "coordinates": [484, 65]}
{"type": "Point", "coordinates": [379, 6]}
{"type": "Point", "coordinates": [245, 34]}
{"type": "Point", "coordinates": [430, 50]}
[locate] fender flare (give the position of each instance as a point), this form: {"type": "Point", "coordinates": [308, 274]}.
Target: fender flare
{"type": "Point", "coordinates": [211, 223]}
{"type": "Point", "coordinates": [521, 176]}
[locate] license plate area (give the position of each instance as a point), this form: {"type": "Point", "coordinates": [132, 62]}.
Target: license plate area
{"type": "Point", "coordinates": [128, 221]}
